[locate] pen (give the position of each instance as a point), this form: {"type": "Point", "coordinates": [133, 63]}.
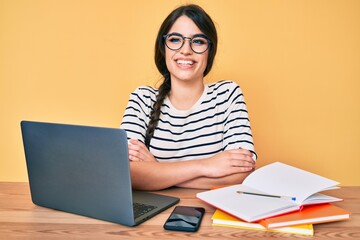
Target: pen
{"type": "Point", "coordinates": [267, 195]}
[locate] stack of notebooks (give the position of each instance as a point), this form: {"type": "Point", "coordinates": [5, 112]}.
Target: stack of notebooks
{"type": "Point", "coordinates": [278, 198]}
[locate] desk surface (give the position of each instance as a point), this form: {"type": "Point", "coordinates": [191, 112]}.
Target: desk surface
{"type": "Point", "coordinates": [21, 219]}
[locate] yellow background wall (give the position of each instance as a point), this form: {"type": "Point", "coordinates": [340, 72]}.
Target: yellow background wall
{"type": "Point", "coordinates": [298, 63]}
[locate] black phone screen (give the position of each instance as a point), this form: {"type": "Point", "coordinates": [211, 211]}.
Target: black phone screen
{"type": "Point", "coordinates": [184, 218]}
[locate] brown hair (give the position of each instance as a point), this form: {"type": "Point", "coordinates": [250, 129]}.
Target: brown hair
{"type": "Point", "coordinates": [207, 26]}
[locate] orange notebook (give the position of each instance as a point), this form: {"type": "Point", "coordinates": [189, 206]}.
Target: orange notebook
{"type": "Point", "coordinates": [309, 214]}
{"type": "Point", "coordinates": [223, 219]}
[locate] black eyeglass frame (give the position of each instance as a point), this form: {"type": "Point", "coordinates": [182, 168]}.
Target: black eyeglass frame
{"type": "Point", "coordinates": [190, 40]}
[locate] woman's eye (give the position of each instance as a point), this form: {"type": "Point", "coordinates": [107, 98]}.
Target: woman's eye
{"type": "Point", "coordinates": [199, 41]}
{"type": "Point", "coordinates": [174, 40]}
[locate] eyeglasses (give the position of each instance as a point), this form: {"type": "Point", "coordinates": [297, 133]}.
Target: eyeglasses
{"type": "Point", "coordinates": [199, 43]}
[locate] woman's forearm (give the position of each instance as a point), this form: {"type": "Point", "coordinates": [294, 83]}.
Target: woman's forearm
{"type": "Point", "coordinates": [207, 183]}
{"type": "Point", "coordinates": [228, 167]}
{"type": "Point", "coordinates": [156, 175]}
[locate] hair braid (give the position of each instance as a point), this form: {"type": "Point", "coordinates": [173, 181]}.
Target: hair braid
{"type": "Point", "coordinates": [163, 91]}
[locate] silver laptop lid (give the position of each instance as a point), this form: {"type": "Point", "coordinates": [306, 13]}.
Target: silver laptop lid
{"type": "Point", "coordinates": [79, 169]}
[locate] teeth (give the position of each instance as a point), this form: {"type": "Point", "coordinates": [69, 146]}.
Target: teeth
{"type": "Point", "coordinates": [185, 62]}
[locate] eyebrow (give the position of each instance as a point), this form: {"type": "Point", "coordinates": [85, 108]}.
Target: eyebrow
{"type": "Point", "coordinates": [195, 35]}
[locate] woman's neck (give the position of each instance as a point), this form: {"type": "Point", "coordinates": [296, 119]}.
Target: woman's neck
{"type": "Point", "coordinates": [184, 95]}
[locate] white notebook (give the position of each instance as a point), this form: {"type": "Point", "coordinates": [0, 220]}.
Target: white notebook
{"type": "Point", "coordinates": [276, 179]}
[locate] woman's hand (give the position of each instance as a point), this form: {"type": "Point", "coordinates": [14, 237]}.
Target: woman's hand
{"type": "Point", "coordinates": [139, 152]}
{"type": "Point", "coordinates": [229, 162]}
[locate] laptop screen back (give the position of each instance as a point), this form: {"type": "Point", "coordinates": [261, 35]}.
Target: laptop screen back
{"type": "Point", "coordinates": [79, 169]}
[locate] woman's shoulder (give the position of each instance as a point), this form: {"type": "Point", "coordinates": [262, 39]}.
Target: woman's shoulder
{"type": "Point", "coordinates": [223, 86]}
{"type": "Point", "coordinates": [145, 92]}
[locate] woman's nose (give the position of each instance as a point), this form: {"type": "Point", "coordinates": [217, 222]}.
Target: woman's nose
{"type": "Point", "coordinates": [186, 48]}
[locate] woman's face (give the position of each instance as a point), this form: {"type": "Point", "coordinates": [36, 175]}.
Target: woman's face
{"type": "Point", "coordinates": [184, 64]}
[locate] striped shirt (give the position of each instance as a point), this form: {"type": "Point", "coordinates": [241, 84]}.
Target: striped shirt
{"type": "Point", "coordinates": [218, 121]}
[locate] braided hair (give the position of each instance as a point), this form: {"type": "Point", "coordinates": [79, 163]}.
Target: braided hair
{"type": "Point", "coordinates": [207, 26]}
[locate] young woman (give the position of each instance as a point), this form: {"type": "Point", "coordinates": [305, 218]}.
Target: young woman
{"type": "Point", "coordinates": [187, 133]}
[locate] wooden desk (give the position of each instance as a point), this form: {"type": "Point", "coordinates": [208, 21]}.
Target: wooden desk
{"type": "Point", "coordinates": [21, 219]}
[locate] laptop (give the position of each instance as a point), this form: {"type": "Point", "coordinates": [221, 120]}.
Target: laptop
{"type": "Point", "coordinates": [85, 170]}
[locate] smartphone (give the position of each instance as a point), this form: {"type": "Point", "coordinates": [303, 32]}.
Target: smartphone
{"type": "Point", "coordinates": [185, 218]}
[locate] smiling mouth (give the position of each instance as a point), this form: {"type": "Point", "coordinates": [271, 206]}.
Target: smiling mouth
{"type": "Point", "coordinates": [185, 62]}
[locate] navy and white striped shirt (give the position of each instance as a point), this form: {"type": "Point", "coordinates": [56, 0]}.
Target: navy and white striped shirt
{"type": "Point", "coordinates": [218, 121]}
